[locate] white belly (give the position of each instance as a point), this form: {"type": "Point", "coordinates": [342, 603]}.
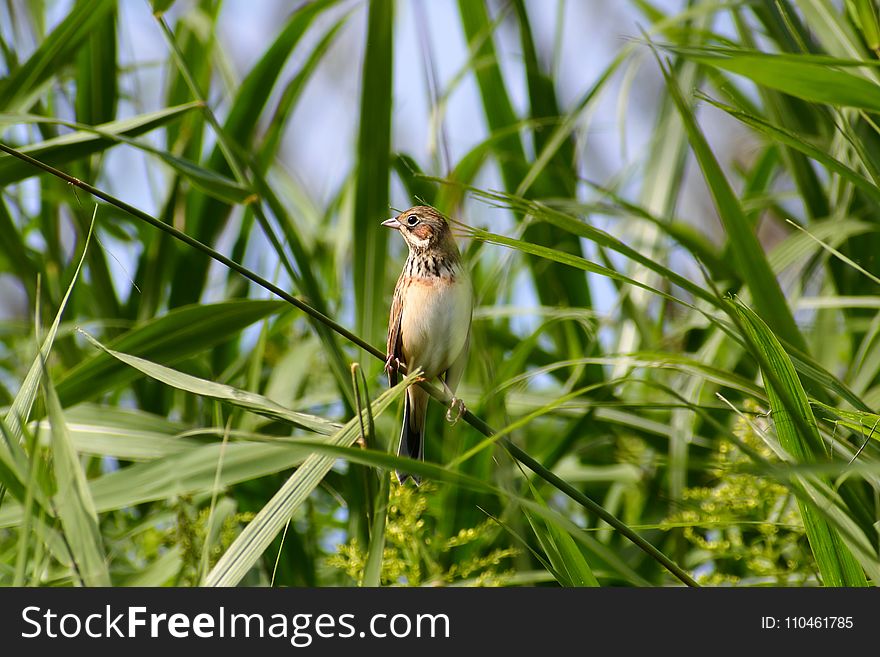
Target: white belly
{"type": "Point", "coordinates": [435, 322]}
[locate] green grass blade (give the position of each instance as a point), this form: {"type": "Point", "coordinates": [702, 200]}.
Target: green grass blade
{"type": "Point", "coordinates": [73, 500]}
{"type": "Point", "coordinates": [565, 556]}
{"type": "Point", "coordinates": [803, 78]}
{"type": "Point", "coordinates": [181, 333]}
{"type": "Point", "coordinates": [96, 79]}
{"type": "Point", "coordinates": [452, 188]}
{"type": "Point", "coordinates": [253, 94]}
{"type": "Point", "coordinates": [77, 145]}
{"type": "Point", "coordinates": [544, 105]}
{"type": "Point", "coordinates": [34, 505]}
{"type": "Point", "coordinates": [203, 248]}
{"type": "Point", "coordinates": [307, 281]}
{"type": "Point", "coordinates": [747, 253]}
{"type": "Point", "coordinates": [16, 257]}
{"type": "Point", "coordinates": [578, 262]}
{"type": "Point", "coordinates": [250, 545]}
{"type": "Point", "coordinates": [191, 472]}
{"type": "Point", "coordinates": [866, 19]}
{"type": "Point", "coordinates": [235, 161]}
{"type": "Point", "coordinates": [207, 216]}
{"type": "Point", "coordinates": [792, 139]}
{"type": "Point", "coordinates": [99, 436]}
{"type": "Point", "coordinates": [19, 91]}
{"type": "Point", "coordinates": [15, 461]}
{"type": "Point", "coordinates": [783, 109]}
{"type": "Point", "coordinates": [235, 396]}
{"type": "Point", "coordinates": [161, 6]}
{"type": "Point", "coordinates": [373, 173]}
{"type": "Point", "coordinates": [497, 107]}
{"type": "Point", "coordinates": [435, 472]}
{"type": "Point", "coordinates": [799, 435]}
{"type": "Point", "coordinates": [555, 147]}
{"type": "Point", "coordinates": [291, 94]}
{"type": "Point", "coordinates": [554, 563]}
{"type": "Point", "coordinates": [685, 234]}
{"type": "Point", "coordinates": [555, 285]}
{"type": "Point", "coordinates": [373, 566]}
{"type": "Point", "coordinates": [199, 46]}
{"type": "Point", "coordinates": [24, 400]}
{"type": "Point", "coordinates": [570, 223]}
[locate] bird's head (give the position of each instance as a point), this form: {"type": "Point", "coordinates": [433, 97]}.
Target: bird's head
{"type": "Point", "coordinates": [423, 229]}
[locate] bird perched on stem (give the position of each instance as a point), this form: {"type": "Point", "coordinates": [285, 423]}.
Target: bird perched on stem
{"type": "Point", "coordinates": [430, 319]}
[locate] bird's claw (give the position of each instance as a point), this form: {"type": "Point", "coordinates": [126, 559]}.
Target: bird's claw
{"type": "Point", "coordinates": [392, 364]}
{"type": "Point", "coordinates": [459, 407]}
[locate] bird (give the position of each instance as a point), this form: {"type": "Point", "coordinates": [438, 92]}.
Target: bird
{"type": "Point", "coordinates": [430, 321]}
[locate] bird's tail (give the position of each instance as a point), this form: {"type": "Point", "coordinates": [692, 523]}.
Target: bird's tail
{"type": "Point", "coordinates": [412, 433]}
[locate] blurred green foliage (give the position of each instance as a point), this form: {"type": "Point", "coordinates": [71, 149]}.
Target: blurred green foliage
{"type": "Point", "coordinates": [685, 347]}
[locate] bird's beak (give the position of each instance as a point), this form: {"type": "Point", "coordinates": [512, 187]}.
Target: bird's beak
{"type": "Point", "coordinates": [391, 223]}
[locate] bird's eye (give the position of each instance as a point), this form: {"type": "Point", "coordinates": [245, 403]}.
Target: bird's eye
{"type": "Point", "coordinates": [412, 220]}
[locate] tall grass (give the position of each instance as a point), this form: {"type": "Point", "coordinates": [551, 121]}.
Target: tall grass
{"type": "Point", "coordinates": [648, 404]}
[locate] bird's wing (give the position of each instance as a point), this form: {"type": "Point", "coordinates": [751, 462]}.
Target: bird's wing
{"type": "Point", "coordinates": [394, 348]}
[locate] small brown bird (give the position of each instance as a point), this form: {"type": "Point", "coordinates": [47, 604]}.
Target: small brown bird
{"type": "Point", "coordinates": [430, 318]}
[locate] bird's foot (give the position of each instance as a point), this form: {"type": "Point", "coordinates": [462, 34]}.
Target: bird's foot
{"type": "Point", "coordinates": [458, 406]}
{"type": "Point", "coordinates": [392, 365]}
